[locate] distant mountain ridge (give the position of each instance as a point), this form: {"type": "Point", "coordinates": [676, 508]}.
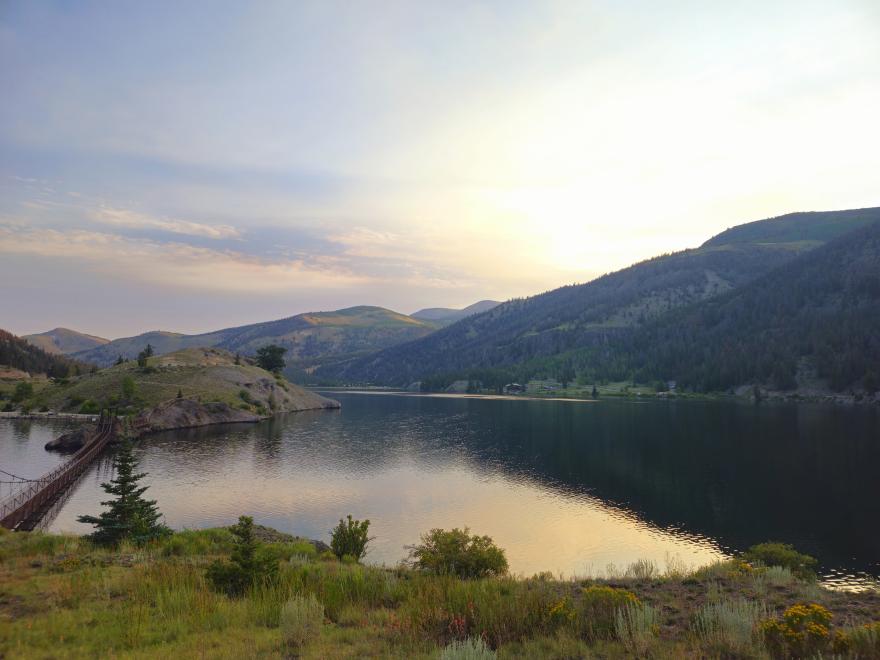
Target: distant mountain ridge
{"type": "Point", "coordinates": [526, 337]}
{"type": "Point", "coordinates": [65, 341]}
{"type": "Point", "coordinates": [443, 316]}
{"type": "Point", "coordinates": [309, 338]}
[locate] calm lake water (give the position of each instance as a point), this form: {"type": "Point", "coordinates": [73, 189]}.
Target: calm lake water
{"type": "Point", "coordinates": [568, 487]}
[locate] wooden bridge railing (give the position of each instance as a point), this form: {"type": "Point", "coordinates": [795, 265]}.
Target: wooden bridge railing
{"type": "Point", "coordinates": [34, 495]}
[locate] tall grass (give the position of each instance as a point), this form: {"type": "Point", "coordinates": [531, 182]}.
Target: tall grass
{"type": "Point", "coordinates": [728, 626]}
{"type": "Point", "coordinates": [636, 627]}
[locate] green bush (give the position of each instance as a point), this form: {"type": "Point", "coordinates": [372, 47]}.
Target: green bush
{"type": "Point", "coordinates": [24, 390]}
{"type": "Point", "coordinates": [248, 568]}
{"type": "Point", "coordinates": [598, 607]}
{"type": "Point", "coordinates": [301, 620]}
{"type": "Point", "coordinates": [245, 396]}
{"type": "Point", "coordinates": [457, 552]}
{"type": "Point", "coordinates": [784, 555]}
{"type": "Point", "coordinates": [350, 538]}
{"type": "Point", "coordinates": [90, 407]}
{"type": "Point", "coordinates": [128, 388]}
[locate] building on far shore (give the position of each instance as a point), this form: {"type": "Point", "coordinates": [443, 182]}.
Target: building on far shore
{"type": "Point", "coordinates": [539, 386]}
{"type": "Point", "coordinates": [514, 388]}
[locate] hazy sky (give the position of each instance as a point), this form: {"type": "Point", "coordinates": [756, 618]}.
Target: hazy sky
{"type": "Point", "coordinates": [194, 165]}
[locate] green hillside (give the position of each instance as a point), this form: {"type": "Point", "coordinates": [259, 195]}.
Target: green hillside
{"type": "Point", "coordinates": [525, 337]}
{"type": "Point", "coordinates": [204, 374]}
{"type": "Point", "coordinates": [811, 228]}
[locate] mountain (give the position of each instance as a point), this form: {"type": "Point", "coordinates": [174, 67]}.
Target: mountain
{"type": "Point", "coordinates": [811, 323]}
{"type": "Point", "coordinates": [310, 339]}
{"type": "Point", "coordinates": [64, 341]}
{"type": "Point", "coordinates": [443, 316]}
{"type": "Point", "coordinates": [518, 337]}
{"type": "Point", "coordinates": [19, 354]}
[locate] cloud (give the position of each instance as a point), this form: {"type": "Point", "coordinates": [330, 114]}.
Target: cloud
{"type": "Point", "coordinates": [177, 264]}
{"type": "Point", "coordinates": [127, 218]}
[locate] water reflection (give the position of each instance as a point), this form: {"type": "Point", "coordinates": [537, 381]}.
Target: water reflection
{"type": "Point", "coordinates": [563, 486]}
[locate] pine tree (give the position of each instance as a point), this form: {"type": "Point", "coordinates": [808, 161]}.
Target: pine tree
{"type": "Point", "coordinates": [248, 567]}
{"type": "Point", "coordinates": [129, 516]}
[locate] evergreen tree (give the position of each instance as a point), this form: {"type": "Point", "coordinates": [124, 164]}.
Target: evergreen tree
{"type": "Point", "coordinates": [271, 358]}
{"type": "Point", "coordinates": [120, 360]}
{"type": "Point", "coordinates": [248, 567]}
{"type": "Point", "coordinates": [179, 393]}
{"type": "Point", "coordinates": [129, 515]}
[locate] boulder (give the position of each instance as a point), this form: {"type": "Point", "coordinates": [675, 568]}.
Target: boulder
{"type": "Point", "coordinates": [71, 441]}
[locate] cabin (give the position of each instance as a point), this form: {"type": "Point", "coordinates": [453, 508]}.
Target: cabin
{"type": "Point", "coordinates": [513, 388]}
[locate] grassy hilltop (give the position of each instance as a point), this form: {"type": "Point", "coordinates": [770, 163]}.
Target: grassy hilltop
{"type": "Point", "coordinates": [207, 374]}
{"type": "Point", "coordinates": [62, 596]}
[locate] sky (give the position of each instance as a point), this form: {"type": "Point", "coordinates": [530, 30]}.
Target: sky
{"type": "Point", "coordinates": [192, 165]}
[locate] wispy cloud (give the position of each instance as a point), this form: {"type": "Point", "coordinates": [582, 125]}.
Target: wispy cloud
{"type": "Point", "coordinates": [176, 264]}
{"type": "Point", "coordinates": [127, 218]}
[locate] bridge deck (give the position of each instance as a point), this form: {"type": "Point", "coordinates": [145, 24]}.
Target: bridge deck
{"type": "Point", "coordinates": [34, 495]}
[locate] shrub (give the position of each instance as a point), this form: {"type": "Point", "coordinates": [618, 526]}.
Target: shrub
{"type": "Point", "coordinates": [636, 626]}
{"type": "Point", "coordinates": [90, 407]}
{"type": "Point", "coordinates": [643, 569]}
{"type": "Point", "coordinates": [24, 390]}
{"type": "Point", "coordinates": [784, 555]}
{"type": "Point", "coordinates": [128, 388]}
{"type": "Point", "coordinates": [245, 396]}
{"type": "Point", "coordinates": [725, 569]}
{"type": "Point", "coordinates": [456, 552]}
{"type": "Point", "coordinates": [728, 627]}
{"type": "Point", "coordinates": [598, 607]}
{"type": "Point", "coordinates": [472, 648]}
{"type": "Point", "coordinates": [350, 538]}
{"type": "Point", "coordinates": [248, 567]}
{"type": "Point", "coordinates": [301, 619]}
{"type": "Point", "coordinates": [802, 632]}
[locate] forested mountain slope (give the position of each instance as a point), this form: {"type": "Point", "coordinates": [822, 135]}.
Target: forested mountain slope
{"type": "Point", "coordinates": [578, 317]}
{"type": "Point", "coordinates": [17, 353]}
{"type": "Point", "coordinates": [818, 314]}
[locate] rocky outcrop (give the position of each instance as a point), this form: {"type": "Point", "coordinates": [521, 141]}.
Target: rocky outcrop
{"type": "Point", "coordinates": [187, 413]}
{"type": "Point", "coordinates": [71, 441]}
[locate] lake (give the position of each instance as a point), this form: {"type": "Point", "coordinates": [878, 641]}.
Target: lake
{"type": "Point", "coordinates": [567, 487]}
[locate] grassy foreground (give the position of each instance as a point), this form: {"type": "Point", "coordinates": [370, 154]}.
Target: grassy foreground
{"type": "Point", "coordinates": [62, 597]}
